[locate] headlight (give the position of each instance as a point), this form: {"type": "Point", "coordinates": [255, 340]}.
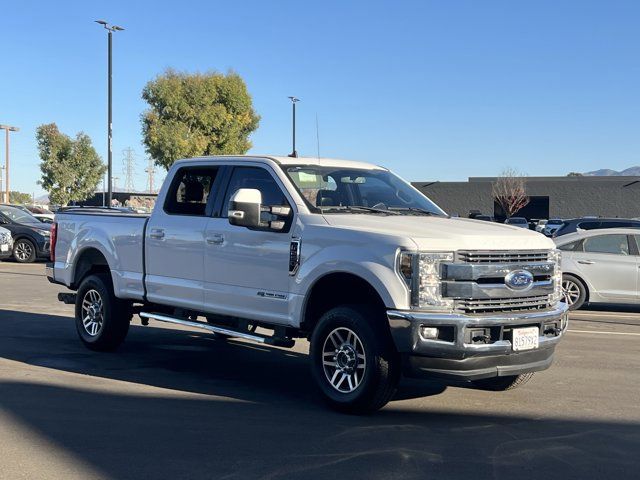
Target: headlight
{"type": "Point", "coordinates": [556, 257]}
{"type": "Point", "coordinates": [421, 272]}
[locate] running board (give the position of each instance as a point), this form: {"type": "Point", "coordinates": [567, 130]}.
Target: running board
{"type": "Point", "coordinates": [276, 341]}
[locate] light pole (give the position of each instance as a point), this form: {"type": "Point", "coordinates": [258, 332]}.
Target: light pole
{"type": "Point", "coordinates": [7, 129]}
{"type": "Point", "coordinates": [110, 29]}
{"type": "Point", "coordinates": [294, 100]}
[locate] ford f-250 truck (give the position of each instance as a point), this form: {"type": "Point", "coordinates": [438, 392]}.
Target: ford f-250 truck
{"type": "Point", "coordinates": [378, 278]}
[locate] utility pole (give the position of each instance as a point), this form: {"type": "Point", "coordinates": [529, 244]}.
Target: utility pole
{"type": "Point", "coordinates": [150, 170]}
{"type": "Point", "coordinates": [1, 176]}
{"type": "Point", "coordinates": [129, 168]}
{"type": "Point", "coordinates": [294, 100]}
{"type": "Point", "coordinates": [110, 29]}
{"type": "Point", "coordinates": [7, 129]}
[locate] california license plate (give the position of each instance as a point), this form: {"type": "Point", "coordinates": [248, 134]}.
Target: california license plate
{"type": "Point", "coordinates": [4, 248]}
{"type": "Point", "coordinates": [525, 338]}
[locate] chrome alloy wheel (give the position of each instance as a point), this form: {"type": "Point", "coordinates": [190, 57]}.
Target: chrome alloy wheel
{"type": "Point", "coordinates": [23, 251]}
{"type": "Point", "coordinates": [343, 360]}
{"type": "Point", "coordinates": [92, 312]}
{"type": "Point", "coordinates": [571, 291]}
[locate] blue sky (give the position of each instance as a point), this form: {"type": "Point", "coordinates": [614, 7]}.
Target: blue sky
{"type": "Point", "coordinates": [436, 90]}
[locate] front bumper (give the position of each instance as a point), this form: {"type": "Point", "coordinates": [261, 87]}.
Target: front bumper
{"type": "Point", "coordinates": [457, 353]}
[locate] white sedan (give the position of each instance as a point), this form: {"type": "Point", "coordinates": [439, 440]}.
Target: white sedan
{"type": "Point", "coordinates": [600, 266]}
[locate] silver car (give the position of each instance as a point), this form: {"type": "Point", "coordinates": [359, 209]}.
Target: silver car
{"type": "Point", "coordinates": [6, 243]}
{"type": "Point", "coordinates": [600, 266]}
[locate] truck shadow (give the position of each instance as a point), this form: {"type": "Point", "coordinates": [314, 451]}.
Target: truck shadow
{"type": "Point", "coordinates": [256, 415]}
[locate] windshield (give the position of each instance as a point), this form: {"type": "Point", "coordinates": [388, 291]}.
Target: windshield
{"type": "Point", "coordinates": [18, 215]}
{"type": "Point", "coordinates": [347, 190]}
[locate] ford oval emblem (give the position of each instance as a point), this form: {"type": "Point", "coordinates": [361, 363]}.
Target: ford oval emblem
{"type": "Point", "coordinates": [519, 280]}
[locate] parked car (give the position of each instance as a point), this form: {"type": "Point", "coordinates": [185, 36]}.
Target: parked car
{"type": "Point", "coordinates": [577, 224]}
{"type": "Point", "coordinates": [30, 235]}
{"type": "Point", "coordinates": [600, 266]}
{"type": "Point", "coordinates": [6, 244]}
{"type": "Point", "coordinates": [552, 225]}
{"type": "Point", "coordinates": [517, 222]}
{"type": "Point", "coordinates": [41, 214]}
{"type": "Point", "coordinates": [486, 218]}
{"type": "Point", "coordinates": [540, 225]}
{"type": "Point", "coordinates": [345, 254]}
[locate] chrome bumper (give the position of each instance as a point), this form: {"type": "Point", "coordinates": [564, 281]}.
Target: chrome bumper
{"type": "Point", "coordinates": [405, 329]}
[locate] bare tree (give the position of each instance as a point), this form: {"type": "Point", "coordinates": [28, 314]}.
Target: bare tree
{"type": "Point", "coordinates": [509, 190]}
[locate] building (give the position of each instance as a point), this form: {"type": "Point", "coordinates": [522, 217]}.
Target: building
{"type": "Point", "coordinates": [550, 197]}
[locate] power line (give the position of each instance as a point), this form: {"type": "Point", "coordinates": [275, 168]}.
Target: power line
{"type": "Point", "coordinates": [128, 170]}
{"type": "Point", "coordinates": [150, 170]}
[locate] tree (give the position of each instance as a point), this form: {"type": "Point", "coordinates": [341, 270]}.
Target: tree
{"type": "Point", "coordinates": [575, 174]}
{"type": "Point", "coordinates": [19, 197]}
{"type": "Point", "coordinates": [71, 168]}
{"type": "Point", "coordinates": [509, 190]}
{"type": "Point", "coordinates": [196, 114]}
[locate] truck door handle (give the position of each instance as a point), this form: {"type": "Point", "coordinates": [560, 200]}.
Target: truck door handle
{"type": "Point", "coordinates": [157, 233]}
{"type": "Point", "coordinates": [586, 262]}
{"type": "Point", "coordinates": [217, 239]}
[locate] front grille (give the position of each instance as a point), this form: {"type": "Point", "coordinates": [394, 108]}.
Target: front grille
{"type": "Point", "coordinates": [520, 257]}
{"type": "Point", "coordinates": [512, 304]}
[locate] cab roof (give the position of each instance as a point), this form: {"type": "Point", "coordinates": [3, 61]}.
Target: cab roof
{"type": "Point", "coordinates": [321, 162]}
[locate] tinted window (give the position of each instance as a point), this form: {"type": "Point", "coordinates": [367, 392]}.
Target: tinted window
{"type": "Point", "coordinates": [588, 225]}
{"type": "Point", "coordinates": [572, 246]}
{"type": "Point", "coordinates": [615, 244]}
{"type": "Point", "coordinates": [258, 178]}
{"type": "Point", "coordinates": [190, 190]}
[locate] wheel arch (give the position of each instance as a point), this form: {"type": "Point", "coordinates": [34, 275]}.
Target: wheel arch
{"type": "Point", "coordinates": [334, 289]}
{"type": "Point", "coordinates": [584, 282]}
{"type": "Point", "coordinates": [89, 261]}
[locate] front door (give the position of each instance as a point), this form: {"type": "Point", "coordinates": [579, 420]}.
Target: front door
{"type": "Point", "coordinates": [174, 241]}
{"type": "Point", "coordinates": [247, 270]}
{"type": "Point", "coordinates": [608, 263]}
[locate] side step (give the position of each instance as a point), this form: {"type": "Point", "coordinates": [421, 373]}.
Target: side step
{"type": "Point", "coordinates": [67, 298]}
{"type": "Point", "coordinates": [254, 337]}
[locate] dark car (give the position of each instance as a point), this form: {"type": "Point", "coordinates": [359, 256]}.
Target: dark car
{"type": "Point", "coordinates": [572, 226]}
{"type": "Point", "coordinates": [30, 236]}
{"type": "Point", "coordinates": [486, 218]}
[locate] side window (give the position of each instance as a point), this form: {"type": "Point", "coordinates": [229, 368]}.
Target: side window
{"type": "Point", "coordinates": [572, 246]}
{"type": "Point", "coordinates": [614, 244]}
{"type": "Point", "coordinates": [588, 225]}
{"type": "Point", "coordinates": [258, 178]}
{"type": "Point", "coordinates": [190, 190]}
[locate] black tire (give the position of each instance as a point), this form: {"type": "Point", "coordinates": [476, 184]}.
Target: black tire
{"type": "Point", "coordinates": [24, 251]}
{"type": "Point", "coordinates": [374, 377]}
{"type": "Point", "coordinates": [574, 290]}
{"type": "Point", "coordinates": [109, 325]}
{"type": "Point", "coordinates": [500, 384]}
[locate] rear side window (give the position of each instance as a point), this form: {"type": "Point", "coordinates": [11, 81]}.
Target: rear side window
{"type": "Point", "coordinates": [614, 244]}
{"type": "Point", "coordinates": [572, 246]}
{"type": "Point", "coordinates": [588, 225]}
{"type": "Point", "coordinates": [190, 190]}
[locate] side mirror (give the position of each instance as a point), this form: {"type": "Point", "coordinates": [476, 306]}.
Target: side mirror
{"type": "Point", "coordinates": [244, 208]}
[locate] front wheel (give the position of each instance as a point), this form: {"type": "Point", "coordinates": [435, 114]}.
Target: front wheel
{"type": "Point", "coordinates": [499, 384]}
{"type": "Point", "coordinates": [575, 292]}
{"type": "Point", "coordinates": [24, 251]}
{"type": "Point", "coordinates": [102, 319]}
{"type": "Point", "coordinates": [353, 360]}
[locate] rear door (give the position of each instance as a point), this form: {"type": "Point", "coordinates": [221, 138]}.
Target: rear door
{"type": "Point", "coordinates": [608, 264]}
{"type": "Point", "coordinates": [247, 270]}
{"type": "Point", "coordinates": [174, 241]}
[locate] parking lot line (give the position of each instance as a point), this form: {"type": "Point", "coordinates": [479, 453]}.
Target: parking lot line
{"type": "Point", "coordinates": [604, 333]}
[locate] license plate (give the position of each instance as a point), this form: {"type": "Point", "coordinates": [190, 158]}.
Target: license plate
{"type": "Point", "coordinates": [525, 338]}
{"type": "Point", "coordinates": [4, 248]}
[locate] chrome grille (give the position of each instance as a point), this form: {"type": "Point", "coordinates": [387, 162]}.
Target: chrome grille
{"type": "Point", "coordinates": [514, 304]}
{"type": "Point", "coordinates": [522, 256]}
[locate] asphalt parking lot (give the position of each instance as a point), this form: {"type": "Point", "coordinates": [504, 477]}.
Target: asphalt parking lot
{"type": "Point", "coordinates": [174, 403]}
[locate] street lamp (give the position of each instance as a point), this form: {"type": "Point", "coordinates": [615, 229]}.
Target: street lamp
{"type": "Point", "coordinates": [294, 100]}
{"type": "Point", "coordinates": [110, 29]}
{"type": "Point", "coordinates": [7, 129]}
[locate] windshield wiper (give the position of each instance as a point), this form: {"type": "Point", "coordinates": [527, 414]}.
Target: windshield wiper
{"type": "Point", "coordinates": [416, 210]}
{"type": "Point", "coordinates": [356, 208]}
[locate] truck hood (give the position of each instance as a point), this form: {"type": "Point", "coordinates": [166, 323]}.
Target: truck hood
{"type": "Point", "coordinates": [446, 234]}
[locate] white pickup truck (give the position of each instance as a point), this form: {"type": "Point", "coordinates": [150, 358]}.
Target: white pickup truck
{"type": "Point", "coordinates": [268, 249]}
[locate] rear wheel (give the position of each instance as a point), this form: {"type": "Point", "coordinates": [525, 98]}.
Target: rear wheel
{"type": "Point", "coordinates": [499, 384]}
{"type": "Point", "coordinates": [24, 251]}
{"type": "Point", "coordinates": [102, 319]}
{"type": "Point", "coordinates": [574, 290]}
{"type": "Point", "coordinates": [353, 360]}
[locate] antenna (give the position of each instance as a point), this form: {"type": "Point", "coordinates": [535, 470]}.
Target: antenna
{"type": "Point", "coordinates": [128, 168]}
{"type": "Point", "coordinates": [294, 100]}
{"type": "Point", "coordinates": [150, 170]}
{"type": "Point", "coordinates": [318, 136]}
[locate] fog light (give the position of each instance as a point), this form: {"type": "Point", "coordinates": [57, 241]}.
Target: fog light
{"type": "Point", "coordinates": [428, 333]}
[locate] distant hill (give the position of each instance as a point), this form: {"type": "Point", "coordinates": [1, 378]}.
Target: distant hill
{"type": "Point", "coordinates": [607, 172]}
